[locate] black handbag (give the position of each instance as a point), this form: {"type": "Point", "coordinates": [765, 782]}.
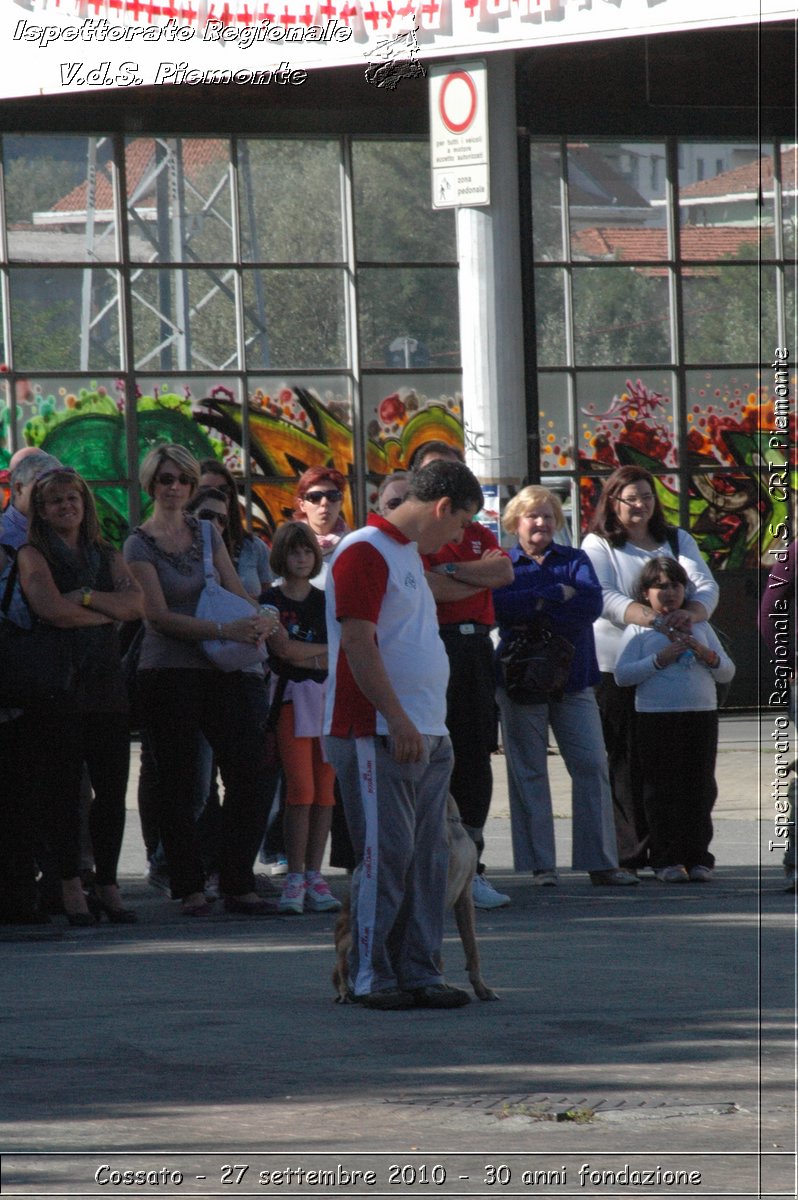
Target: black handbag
{"type": "Point", "coordinates": [37, 665]}
{"type": "Point", "coordinates": [536, 663]}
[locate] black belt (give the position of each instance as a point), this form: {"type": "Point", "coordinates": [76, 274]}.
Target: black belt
{"type": "Point", "coordinates": [466, 629]}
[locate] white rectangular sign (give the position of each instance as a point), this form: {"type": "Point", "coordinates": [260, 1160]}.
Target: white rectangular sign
{"type": "Point", "coordinates": [459, 144]}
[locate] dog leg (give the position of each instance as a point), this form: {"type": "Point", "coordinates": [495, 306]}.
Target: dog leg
{"type": "Point", "coordinates": [343, 944]}
{"type": "Point", "coordinates": [466, 927]}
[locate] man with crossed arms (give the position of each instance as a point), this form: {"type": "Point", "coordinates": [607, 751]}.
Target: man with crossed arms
{"type": "Point", "coordinates": [461, 577]}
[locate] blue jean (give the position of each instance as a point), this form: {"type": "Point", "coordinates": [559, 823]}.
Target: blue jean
{"type": "Point", "coordinates": [576, 724]}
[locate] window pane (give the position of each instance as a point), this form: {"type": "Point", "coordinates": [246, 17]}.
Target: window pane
{"type": "Point", "coordinates": [620, 315]}
{"type": "Point", "coordinates": [188, 410]}
{"type": "Point", "coordinates": [725, 518]}
{"type": "Point", "coordinates": [60, 197]}
{"type": "Point", "coordinates": [724, 408]}
{"type": "Point", "coordinates": [556, 436]}
{"type": "Point", "coordinates": [65, 319]}
{"type": "Point", "coordinates": [290, 200]}
{"type": "Point", "coordinates": [624, 418]}
{"type": "Point", "coordinates": [728, 312]}
{"type": "Point", "coordinates": [296, 422]}
{"type": "Point", "coordinates": [789, 202]}
{"type": "Point", "coordinates": [408, 317]}
{"type": "Point", "coordinates": [617, 201]}
{"type": "Point", "coordinates": [178, 199]}
{"type": "Point", "coordinates": [81, 422]}
{"type": "Point", "coordinates": [719, 184]}
{"type": "Point", "coordinates": [295, 318]}
{"type": "Point", "coordinates": [394, 221]}
{"type": "Point", "coordinates": [5, 434]}
{"type": "Point", "coordinates": [546, 169]}
{"type": "Point", "coordinates": [402, 411]}
{"type": "Point", "coordinates": [184, 320]}
{"type": "Point", "coordinates": [550, 317]}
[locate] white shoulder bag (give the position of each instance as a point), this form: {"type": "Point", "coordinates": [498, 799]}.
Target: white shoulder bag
{"type": "Point", "coordinates": [220, 606]}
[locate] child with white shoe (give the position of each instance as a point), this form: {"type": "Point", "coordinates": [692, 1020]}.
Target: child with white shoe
{"type": "Point", "coordinates": [298, 653]}
{"type": "Point", "coordinates": [674, 671]}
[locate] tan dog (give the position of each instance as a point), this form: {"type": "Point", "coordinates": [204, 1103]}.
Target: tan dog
{"type": "Point", "coordinates": [462, 865]}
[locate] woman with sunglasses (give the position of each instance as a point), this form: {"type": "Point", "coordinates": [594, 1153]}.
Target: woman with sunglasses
{"type": "Point", "coordinates": [183, 694]}
{"type": "Point", "coordinates": [76, 582]}
{"type": "Point", "coordinates": [319, 497]}
{"type": "Point", "coordinates": [628, 529]}
{"type": "Point", "coordinates": [250, 554]}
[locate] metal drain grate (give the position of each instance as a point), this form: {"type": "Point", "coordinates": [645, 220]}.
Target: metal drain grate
{"type": "Point", "coordinates": [553, 1106]}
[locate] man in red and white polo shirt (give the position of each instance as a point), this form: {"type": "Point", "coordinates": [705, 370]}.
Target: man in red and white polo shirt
{"type": "Point", "coordinates": [387, 737]}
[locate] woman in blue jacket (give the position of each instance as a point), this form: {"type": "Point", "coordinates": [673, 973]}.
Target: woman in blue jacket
{"type": "Point", "coordinates": [558, 585]}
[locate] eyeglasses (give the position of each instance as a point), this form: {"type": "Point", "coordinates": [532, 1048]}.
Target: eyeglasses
{"type": "Point", "coordinates": [394, 503]}
{"type": "Point", "coordinates": [317, 497]}
{"type": "Point", "coordinates": [208, 514]}
{"type": "Point", "coordinates": [648, 499]}
{"type": "Point", "coordinates": [169, 480]}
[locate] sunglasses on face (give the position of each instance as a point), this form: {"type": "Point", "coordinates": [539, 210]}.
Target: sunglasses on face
{"type": "Point", "coordinates": [392, 504]}
{"type": "Point", "coordinates": [208, 514]}
{"type": "Point", "coordinates": [168, 480]}
{"type": "Point", "coordinates": [317, 497]}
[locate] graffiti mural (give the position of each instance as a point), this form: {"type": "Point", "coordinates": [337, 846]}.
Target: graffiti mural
{"type": "Point", "coordinates": [730, 508]}
{"type": "Point", "coordinates": [296, 429]}
{"type": "Point", "coordinates": [286, 432]}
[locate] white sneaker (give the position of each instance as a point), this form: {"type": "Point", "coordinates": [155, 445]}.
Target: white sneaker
{"type": "Point", "coordinates": [318, 897]}
{"type": "Point", "coordinates": [675, 874]}
{"type": "Point", "coordinates": [700, 874]}
{"type": "Point", "coordinates": [545, 878]}
{"type": "Point", "coordinates": [293, 898]}
{"type": "Point", "coordinates": [485, 894]}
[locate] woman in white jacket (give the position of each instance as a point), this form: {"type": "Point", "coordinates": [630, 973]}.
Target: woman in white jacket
{"type": "Point", "coordinates": [628, 529]}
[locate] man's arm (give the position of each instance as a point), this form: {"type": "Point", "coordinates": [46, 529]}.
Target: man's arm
{"type": "Point", "coordinates": [493, 570]}
{"type": "Point", "coordinates": [359, 644]}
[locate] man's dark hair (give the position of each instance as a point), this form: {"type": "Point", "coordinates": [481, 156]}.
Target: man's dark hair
{"type": "Point", "coordinates": [434, 447]}
{"type": "Point", "coordinates": [443, 477]}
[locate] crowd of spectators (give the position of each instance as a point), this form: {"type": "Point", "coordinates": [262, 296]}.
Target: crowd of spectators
{"type": "Point", "coordinates": [634, 602]}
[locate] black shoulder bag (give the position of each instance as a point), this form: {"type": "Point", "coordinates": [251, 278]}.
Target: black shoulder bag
{"type": "Point", "coordinates": [536, 663]}
{"type": "Point", "coordinates": [36, 665]}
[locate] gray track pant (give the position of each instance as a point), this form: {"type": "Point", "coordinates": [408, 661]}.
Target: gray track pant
{"type": "Point", "coordinates": [396, 818]}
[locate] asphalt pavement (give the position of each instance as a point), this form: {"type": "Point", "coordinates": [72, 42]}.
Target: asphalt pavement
{"type": "Point", "coordinates": [643, 1042]}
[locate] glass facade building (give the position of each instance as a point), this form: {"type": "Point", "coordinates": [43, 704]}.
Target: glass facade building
{"type": "Point", "coordinates": [266, 281]}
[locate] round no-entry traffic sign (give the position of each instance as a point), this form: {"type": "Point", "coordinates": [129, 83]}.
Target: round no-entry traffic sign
{"type": "Point", "coordinates": [457, 102]}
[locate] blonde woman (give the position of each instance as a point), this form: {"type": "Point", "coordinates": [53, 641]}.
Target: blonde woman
{"type": "Point", "coordinates": [183, 694]}
{"type": "Point", "coordinates": [558, 585]}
